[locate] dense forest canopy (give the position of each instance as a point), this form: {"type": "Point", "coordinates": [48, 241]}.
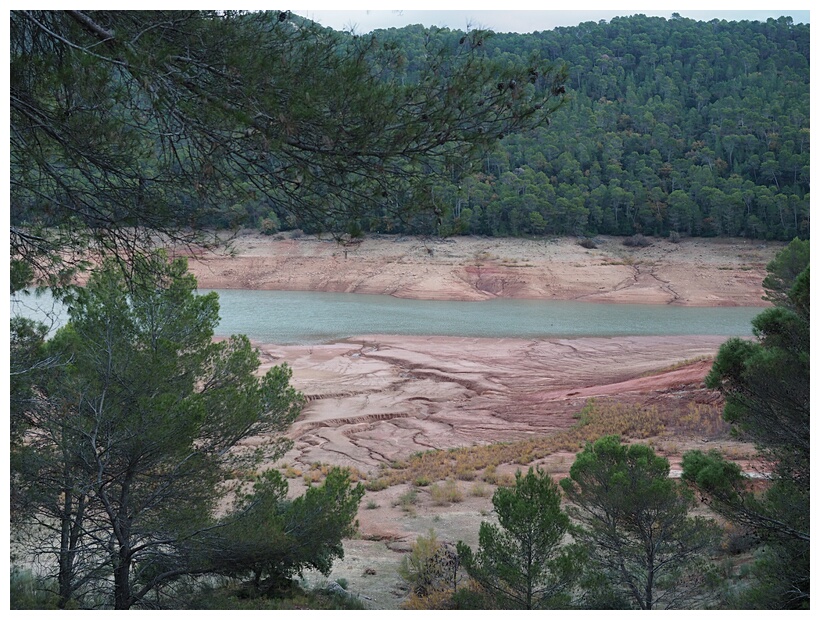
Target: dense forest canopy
{"type": "Point", "coordinates": [672, 125]}
{"type": "Point", "coordinates": [668, 126]}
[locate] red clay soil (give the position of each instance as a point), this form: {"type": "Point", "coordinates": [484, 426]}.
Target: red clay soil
{"type": "Point", "coordinates": [694, 272]}
{"type": "Point", "coordinates": [374, 399]}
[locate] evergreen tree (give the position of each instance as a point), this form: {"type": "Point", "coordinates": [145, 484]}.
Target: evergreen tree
{"type": "Point", "coordinates": [636, 530]}
{"type": "Point", "coordinates": [766, 387]}
{"type": "Point", "coordinates": [783, 271]}
{"type": "Point", "coordinates": [135, 435]}
{"type": "Point", "coordinates": [272, 539]}
{"type": "Point", "coordinates": [127, 124]}
{"type": "Point", "coordinates": [521, 562]}
{"type": "Point", "coordinates": [716, 111]}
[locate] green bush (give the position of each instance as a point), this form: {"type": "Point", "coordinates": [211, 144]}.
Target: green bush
{"type": "Point", "coordinates": [270, 224]}
{"type": "Point", "coordinates": [637, 241]}
{"type": "Point", "coordinates": [379, 484]}
{"type": "Point", "coordinates": [229, 597]}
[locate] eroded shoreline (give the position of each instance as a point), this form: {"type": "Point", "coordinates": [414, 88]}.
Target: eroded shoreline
{"type": "Point", "coordinates": [373, 399]}
{"type": "Point", "coordinates": [694, 272]}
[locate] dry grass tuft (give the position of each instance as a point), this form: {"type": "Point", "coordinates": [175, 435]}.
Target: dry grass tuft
{"type": "Point", "coordinates": [446, 493]}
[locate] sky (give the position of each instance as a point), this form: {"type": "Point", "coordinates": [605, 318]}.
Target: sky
{"type": "Point", "coordinates": [361, 17]}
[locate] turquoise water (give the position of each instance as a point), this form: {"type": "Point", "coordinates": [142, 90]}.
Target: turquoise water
{"type": "Point", "coordinates": [289, 317]}
{"type": "Point", "coordinates": [299, 317]}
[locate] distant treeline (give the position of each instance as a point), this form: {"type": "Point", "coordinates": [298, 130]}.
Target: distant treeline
{"type": "Point", "coordinates": [673, 126]}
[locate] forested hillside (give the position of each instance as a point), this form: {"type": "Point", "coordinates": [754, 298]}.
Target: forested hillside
{"type": "Point", "coordinates": [671, 125]}
{"type": "Point", "coordinates": [668, 126]}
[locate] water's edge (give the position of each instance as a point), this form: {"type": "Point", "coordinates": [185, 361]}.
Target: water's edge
{"type": "Point", "coordinates": [297, 317]}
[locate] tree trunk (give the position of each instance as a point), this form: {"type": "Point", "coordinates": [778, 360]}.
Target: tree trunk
{"type": "Point", "coordinates": [650, 579]}
{"type": "Point", "coordinates": [65, 561]}
{"type": "Point", "coordinates": [121, 525]}
{"type": "Point", "coordinates": [71, 527]}
{"type": "Point", "coordinates": [122, 585]}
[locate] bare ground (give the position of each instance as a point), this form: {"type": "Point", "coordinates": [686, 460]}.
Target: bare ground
{"type": "Point", "coordinates": [375, 400]}
{"type": "Point", "coordinates": [694, 272]}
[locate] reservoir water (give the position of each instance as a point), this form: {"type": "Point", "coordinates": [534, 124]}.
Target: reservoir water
{"type": "Point", "coordinates": [289, 317]}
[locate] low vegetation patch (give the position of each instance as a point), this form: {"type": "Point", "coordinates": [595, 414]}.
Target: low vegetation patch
{"type": "Point", "coordinates": [29, 592]}
{"type": "Point", "coordinates": [321, 598]}
{"type": "Point", "coordinates": [446, 493]}
{"type": "Point", "coordinates": [637, 241]}
{"type": "Point", "coordinates": [597, 418]}
{"type": "Point", "coordinates": [408, 500]}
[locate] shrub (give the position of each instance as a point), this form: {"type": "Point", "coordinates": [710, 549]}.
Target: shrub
{"type": "Point", "coordinates": [489, 475]}
{"type": "Point", "coordinates": [479, 489]}
{"type": "Point", "coordinates": [637, 241]}
{"type": "Point", "coordinates": [465, 472]}
{"type": "Point", "coordinates": [589, 244]}
{"type": "Point", "coordinates": [325, 597]}
{"type": "Point", "coordinates": [291, 472]}
{"type": "Point", "coordinates": [378, 484]}
{"type": "Point", "coordinates": [314, 475]}
{"type": "Point", "coordinates": [674, 236]}
{"type": "Point", "coordinates": [525, 458]}
{"type": "Point", "coordinates": [446, 493]}
{"type": "Point", "coordinates": [431, 568]}
{"type": "Point", "coordinates": [437, 599]}
{"type": "Point", "coordinates": [28, 592]}
{"type": "Point", "coordinates": [418, 568]}
{"type": "Point", "coordinates": [472, 596]}
{"type": "Point", "coordinates": [270, 224]}
{"type": "Point", "coordinates": [408, 500]}
{"type": "Point", "coordinates": [738, 540]}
